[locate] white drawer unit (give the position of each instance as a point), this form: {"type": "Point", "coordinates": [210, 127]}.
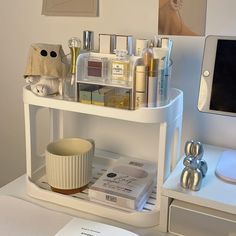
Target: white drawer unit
{"type": "Point", "coordinates": [168, 119]}
{"type": "Point", "coordinates": [187, 219]}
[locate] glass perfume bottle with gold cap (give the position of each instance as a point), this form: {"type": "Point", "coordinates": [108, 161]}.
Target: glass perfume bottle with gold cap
{"type": "Point", "coordinates": [69, 85]}
{"type": "Point", "coordinates": [120, 67]}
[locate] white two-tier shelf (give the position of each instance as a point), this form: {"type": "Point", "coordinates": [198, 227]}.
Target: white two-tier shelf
{"type": "Point", "coordinates": [169, 120]}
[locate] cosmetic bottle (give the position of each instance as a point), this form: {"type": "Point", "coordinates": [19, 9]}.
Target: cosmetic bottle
{"type": "Point", "coordinates": [69, 85]}
{"type": "Point", "coordinates": [164, 69]}
{"type": "Point", "coordinates": [107, 43]}
{"type": "Point", "coordinates": [141, 44]}
{"type": "Point", "coordinates": [147, 55]}
{"type": "Point", "coordinates": [168, 44]}
{"type": "Point", "coordinates": [88, 40]}
{"type": "Point", "coordinates": [163, 83]}
{"type": "Point", "coordinates": [140, 86]}
{"type": "Point", "coordinates": [124, 42]}
{"type": "Point", "coordinates": [120, 67]}
{"type": "Point", "coordinates": [152, 83]}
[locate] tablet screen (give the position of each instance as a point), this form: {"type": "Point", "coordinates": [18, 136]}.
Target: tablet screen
{"type": "Point", "coordinates": [223, 93]}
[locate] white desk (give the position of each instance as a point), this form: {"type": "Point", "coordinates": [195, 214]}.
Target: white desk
{"type": "Point", "coordinates": [214, 192]}
{"type": "Point", "coordinates": [17, 188]}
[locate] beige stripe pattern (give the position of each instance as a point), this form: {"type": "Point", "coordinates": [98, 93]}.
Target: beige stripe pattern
{"type": "Point", "coordinates": [69, 172]}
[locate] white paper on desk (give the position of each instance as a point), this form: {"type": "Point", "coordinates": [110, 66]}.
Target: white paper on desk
{"type": "Point", "coordinates": [83, 227]}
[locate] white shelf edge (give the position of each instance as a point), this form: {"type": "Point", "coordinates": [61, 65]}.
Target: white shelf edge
{"type": "Point", "coordinates": [140, 219]}
{"type": "Point", "coordinates": [142, 115]}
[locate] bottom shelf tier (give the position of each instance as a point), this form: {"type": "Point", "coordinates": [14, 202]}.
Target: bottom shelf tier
{"type": "Point", "coordinates": [38, 187]}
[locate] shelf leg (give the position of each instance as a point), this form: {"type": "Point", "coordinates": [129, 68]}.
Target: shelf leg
{"type": "Point", "coordinates": [56, 124]}
{"type": "Point", "coordinates": [164, 213]}
{"type": "Point", "coordinates": [32, 158]}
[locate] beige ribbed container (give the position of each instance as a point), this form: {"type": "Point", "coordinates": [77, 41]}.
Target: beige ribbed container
{"type": "Point", "coordinates": [69, 164]}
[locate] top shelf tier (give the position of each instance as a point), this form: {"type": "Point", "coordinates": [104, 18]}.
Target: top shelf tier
{"type": "Point", "coordinates": [162, 114]}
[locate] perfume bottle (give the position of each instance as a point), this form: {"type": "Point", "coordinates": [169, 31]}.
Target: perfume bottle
{"type": "Point", "coordinates": [120, 67]}
{"type": "Point", "coordinates": [69, 88]}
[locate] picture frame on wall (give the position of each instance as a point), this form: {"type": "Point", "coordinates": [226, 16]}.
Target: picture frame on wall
{"type": "Point", "coordinates": [86, 8]}
{"type": "Point", "coordinates": [182, 17]}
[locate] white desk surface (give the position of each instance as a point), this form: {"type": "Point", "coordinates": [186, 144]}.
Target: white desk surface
{"type": "Point", "coordinates": [17, 188]}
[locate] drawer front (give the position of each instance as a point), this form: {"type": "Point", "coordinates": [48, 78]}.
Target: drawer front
{"type": "Point", "coordinates": [191, 220]}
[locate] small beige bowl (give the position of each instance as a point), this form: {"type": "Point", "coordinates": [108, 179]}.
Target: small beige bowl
{"type": "Point", "coordinates": [69, 164]}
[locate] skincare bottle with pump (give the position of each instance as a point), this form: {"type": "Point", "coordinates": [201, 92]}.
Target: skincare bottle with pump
{"type": "Point", "coordinates": [70, 83]}
{"type": "Point", "coordinates": [120, 67]}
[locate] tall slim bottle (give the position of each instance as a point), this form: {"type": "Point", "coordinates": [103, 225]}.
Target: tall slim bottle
{"type": "Point", "coordinates": [153, 83]}
{"type": "Point", "coordinates": [70, 86]}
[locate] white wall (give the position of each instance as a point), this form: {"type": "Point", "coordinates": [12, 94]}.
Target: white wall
{"type": "Point", "coordinates": [21, 24]}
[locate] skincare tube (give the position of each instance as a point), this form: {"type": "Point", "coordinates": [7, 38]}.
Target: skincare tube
{"type": "Point", "coordinates": [160, 53]}
{"type": "Point", "coordinates": [152, 83]}
{"type": "Point", "coordinates": [167, 43]}
{"type": "Point", "coordinates": [162, 93]}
